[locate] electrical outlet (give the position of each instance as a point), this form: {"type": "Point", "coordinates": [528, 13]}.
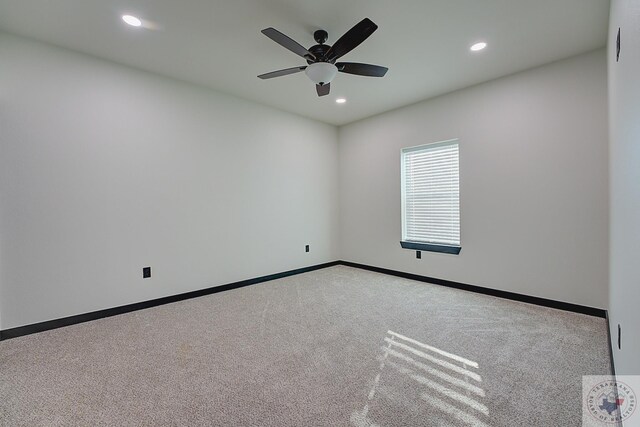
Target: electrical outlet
{"type": "Point", "coordinates": [146, 272]}
{"type": "Point", "coordinates": [618, 46]}
{"type": "Point", "coordinates": [306, 248]}
{"type": "Point", "coordinates": [619, 337]}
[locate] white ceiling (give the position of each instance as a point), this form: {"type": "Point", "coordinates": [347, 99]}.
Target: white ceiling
{"type": "Point", "coordinates": [217, 43]}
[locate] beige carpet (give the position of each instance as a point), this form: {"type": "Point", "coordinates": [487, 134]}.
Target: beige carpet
{"type": "Point", "coordinates": [338, 346]}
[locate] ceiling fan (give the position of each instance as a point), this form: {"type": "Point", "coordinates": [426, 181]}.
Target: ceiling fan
{"type": "Point", "coordinates": [321, 58]}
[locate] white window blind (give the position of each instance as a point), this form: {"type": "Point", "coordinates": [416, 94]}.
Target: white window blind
{"type": "Point", "coordinates": [431, 193]}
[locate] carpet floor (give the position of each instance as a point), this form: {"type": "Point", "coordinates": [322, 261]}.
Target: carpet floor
{"type": "Point", "coordinates": [333, 347]}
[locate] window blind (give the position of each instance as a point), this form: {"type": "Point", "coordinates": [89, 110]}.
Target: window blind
{"type": "Point", "coordinates": [431, 193]}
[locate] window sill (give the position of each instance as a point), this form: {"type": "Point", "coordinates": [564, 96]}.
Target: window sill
{"type": "Point", "coordinates": [431, 247]}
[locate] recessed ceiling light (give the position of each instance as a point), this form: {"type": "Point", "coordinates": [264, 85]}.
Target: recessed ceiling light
{"type": "Point", "coordinates": [341, 101]}
{"type": "Point", "coordinates": [132, 20]}
{"type": "Point", "coordinates": [478, 46]}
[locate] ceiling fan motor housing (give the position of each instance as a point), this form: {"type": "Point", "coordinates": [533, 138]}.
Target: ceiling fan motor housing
{"type": "Point", "coordinates": [319, 51]}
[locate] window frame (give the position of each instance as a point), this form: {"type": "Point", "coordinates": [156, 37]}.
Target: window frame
{"type": "Point", "coordinates": [417, 245]}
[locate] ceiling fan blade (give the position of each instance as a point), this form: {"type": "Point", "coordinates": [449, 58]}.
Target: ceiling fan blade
{"type": "Point", "coordinates": [279, 73]}
{"type": "Point", "coordinates": [288, 43]}
{"type": "Point", "coordinates": [351, 39]}
{"type": "Point", "coordinates": [323, 89]}
{"type": "Point", "coordinates": [361, 69]}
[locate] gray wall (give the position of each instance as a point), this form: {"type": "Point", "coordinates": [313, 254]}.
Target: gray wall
{"type": "Point", "coordinates": [534, 183]}
{"type": "Point", "coordinates": [106, 169]}
{"type": "Point", "coordinates": [624, 120]}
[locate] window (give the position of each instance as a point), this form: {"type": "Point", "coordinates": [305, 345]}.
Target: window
{"type": "Point", "coordinates": [431, 197]}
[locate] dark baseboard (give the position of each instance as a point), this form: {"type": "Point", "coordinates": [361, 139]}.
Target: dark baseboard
{"type": "Point", "coordinates": [613, 366]}
{"type": "Point", "coordinates": [94, 315]}
{"type": "Point", "coordinates": [72, 320]}
{"type": "Point", "coordinates": [598, 312]}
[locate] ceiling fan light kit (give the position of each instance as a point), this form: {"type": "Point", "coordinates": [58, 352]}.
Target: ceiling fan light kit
{"type": "Point", "coordinates": [321, 72]}
{"type": "Point", "coordinates": [321, 58]}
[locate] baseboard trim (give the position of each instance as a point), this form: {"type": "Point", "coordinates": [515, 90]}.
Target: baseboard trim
{"type": "Point", "coordinates": [576, 308]}
{"type": "Point", "coordinates": [94, 315]}
{"type": "Point", "coordinates": [611, 360]}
